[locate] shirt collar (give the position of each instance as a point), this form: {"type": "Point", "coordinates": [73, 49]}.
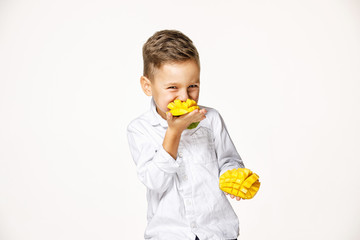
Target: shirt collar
{"type": "Point", "coordinates": [156, 119]}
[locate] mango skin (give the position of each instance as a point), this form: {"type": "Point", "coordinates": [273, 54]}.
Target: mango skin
{"type": "Point", "coordinates": [240, 182]}
{"type": "Point", "coordinates": [178, 108]}
{"type": "Point", "coordinates": [193, 125]}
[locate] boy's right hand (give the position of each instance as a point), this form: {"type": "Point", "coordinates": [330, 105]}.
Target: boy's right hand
{"type": "Point", "coordinates": [179, 124]}
{"type": "Point", "coordinates": [176, 125]}
{"type": "Point", "coordinates": [233, 196]}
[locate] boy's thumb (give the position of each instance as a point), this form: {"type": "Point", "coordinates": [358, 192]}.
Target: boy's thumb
{"type": "Point", "coordinates": [169, 116]}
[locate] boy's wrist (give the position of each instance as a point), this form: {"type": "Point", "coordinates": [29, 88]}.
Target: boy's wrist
{"type": "Point", "coordinates": [175, 132]}
{"type": "Point", "coordinates": [171, 141]}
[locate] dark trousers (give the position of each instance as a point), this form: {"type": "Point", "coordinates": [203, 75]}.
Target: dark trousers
{"type": "Point", "coordinates": [199, 239]}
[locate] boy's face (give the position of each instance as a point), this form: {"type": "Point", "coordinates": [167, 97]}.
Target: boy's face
{"type": "Point", "coordinates": [173, 81]}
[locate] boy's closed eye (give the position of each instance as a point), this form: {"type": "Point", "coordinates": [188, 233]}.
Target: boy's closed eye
{"type": "Point", "coordinates": [191, 86]}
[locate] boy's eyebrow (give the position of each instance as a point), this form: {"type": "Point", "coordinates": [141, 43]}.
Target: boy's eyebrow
{"type": "Point", "coordinates": [171, 83]}
{"type": "Point", "coordinates": [176, 83]}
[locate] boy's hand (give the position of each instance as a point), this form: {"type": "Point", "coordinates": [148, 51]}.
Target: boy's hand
{"type": "Point", "coordinates": [179, 124]}
{"type": "Point", "coordinates": [232, 196]}
{"type": "Point", "coordinates": [176, 126]}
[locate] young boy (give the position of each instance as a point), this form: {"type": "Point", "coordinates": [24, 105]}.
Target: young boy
{"type": "Point", "coordinates": [181, 167]}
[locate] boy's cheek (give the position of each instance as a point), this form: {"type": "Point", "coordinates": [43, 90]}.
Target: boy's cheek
{"type": "Point", "coordinates": [195, 96]}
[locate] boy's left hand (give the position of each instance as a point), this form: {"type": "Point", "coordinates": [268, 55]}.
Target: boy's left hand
{"type": "Point", "coordinates": [232, 196]}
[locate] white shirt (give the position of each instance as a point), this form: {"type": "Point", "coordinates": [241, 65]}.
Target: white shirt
{"type": "Point", "coordinates": [183, 194]}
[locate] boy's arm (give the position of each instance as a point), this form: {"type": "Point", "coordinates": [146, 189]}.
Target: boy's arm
{"type": "Point", "coordinates": [156, 165]}
{"type": "Point", "coordinates": [171, 142]}
{"type": "Point", "coordinates": [228, 157]}
{"type": "Point", "coordinates": [176, 125]}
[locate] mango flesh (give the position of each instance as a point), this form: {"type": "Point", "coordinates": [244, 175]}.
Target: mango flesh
{"type": "Point", "coordinates": [240, 182]}
{"type": "Point", "coordinates": [178, 108]}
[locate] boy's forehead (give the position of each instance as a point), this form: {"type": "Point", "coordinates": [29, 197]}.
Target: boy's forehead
{"type": "Point", "coordinates": [178, 72]}
{"type": "Point", "coordinates": [164, 80]}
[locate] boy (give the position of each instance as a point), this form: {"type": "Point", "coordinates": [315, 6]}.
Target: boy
{"type": "Point", "coordinates": [181, 167]}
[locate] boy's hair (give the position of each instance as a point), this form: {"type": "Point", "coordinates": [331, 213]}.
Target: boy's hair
{"type": "Point", "coordinates": [167, 46]}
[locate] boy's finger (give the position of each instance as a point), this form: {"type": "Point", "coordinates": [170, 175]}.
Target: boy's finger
{"type": "Point", "coordinates": [190, 114]}
{"type": "Point", "coordinates": [238, 198]}
{"type": "Point", "coordinates": [198, 115]}
{"type": "Point", "coordinates": [203, 111]}
{"type": "Point", "coordinates": [169, 116]}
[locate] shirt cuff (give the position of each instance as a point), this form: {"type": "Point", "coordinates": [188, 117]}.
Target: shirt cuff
{"type": "Point", "coordinates": [164, 161]}
{"type": "Point", "coordinates": [231, 167]}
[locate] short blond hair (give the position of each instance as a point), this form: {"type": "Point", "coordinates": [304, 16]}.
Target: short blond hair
{"type": "Point", "coordinates": [167, 46]}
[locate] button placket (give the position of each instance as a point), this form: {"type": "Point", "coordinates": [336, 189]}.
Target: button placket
{"type": "Point", "coordinates": [188, 206]}
{"type": "Point", "coordinates": [193, 225]}
{"type": "Point", "coordinates": [183, 175]}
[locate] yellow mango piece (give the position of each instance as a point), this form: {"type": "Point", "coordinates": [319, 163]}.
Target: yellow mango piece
{"type": "Point", "coordinates": [190, 109]}
{"type": "Point", "coordinates": [240, 182]}
{"type": "Point", "coordinates": [178, 103]}
{"type": "Point", "coordinates": [178, 108]}
{"type": "Point", "coordinates": [250, 180]}
{"type": "Point", "coordinates": [191, 103]}
{"type": "Point", "coordinates": [178, 111]}
{"type": "Point", "coordinates": [188, 102]}
{"type": "Point", "coordinates": [171, 105]}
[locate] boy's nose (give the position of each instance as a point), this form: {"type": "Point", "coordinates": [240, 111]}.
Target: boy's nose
{"type": "Point", "coordinates": [183, 96]}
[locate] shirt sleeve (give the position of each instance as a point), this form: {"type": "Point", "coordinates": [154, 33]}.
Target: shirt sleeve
{"type": "Point", "coordinates": [155, 167]}
{"type": "Point", "coordinates": [228, 157]}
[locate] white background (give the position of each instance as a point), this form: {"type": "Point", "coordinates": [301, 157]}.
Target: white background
{"type": "Point", "coordinates": [285, 75]}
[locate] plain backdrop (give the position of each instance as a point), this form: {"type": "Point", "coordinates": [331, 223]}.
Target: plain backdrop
{"type": "Point", "coordinates": [285, 75]}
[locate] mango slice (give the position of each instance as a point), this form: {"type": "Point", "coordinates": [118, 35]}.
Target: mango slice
{"type": "Point", "coordinates": [178, 108]}
{"type": "Point", "coordinates": [240, 182]}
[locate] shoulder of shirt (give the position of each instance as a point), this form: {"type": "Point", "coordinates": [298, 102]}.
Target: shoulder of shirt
{"type": "Point", "coordinates": [211, 112]}
{"type": "Point", "coordinates": [141, 121]}
{"type": "Point", "coordinates": [212, 115]}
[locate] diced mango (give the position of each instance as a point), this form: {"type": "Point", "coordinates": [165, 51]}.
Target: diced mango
{"type": "Point", "coordinates": [241, 182]}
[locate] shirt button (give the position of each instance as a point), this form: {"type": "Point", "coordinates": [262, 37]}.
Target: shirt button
{"type": "Point", "coordinates": [193, 225]}
{"type": "Point", "coordinates": [180, 155]}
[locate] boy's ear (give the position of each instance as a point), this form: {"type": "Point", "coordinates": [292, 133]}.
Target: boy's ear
{"type": "Point", "coordinates": [146, 85]}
